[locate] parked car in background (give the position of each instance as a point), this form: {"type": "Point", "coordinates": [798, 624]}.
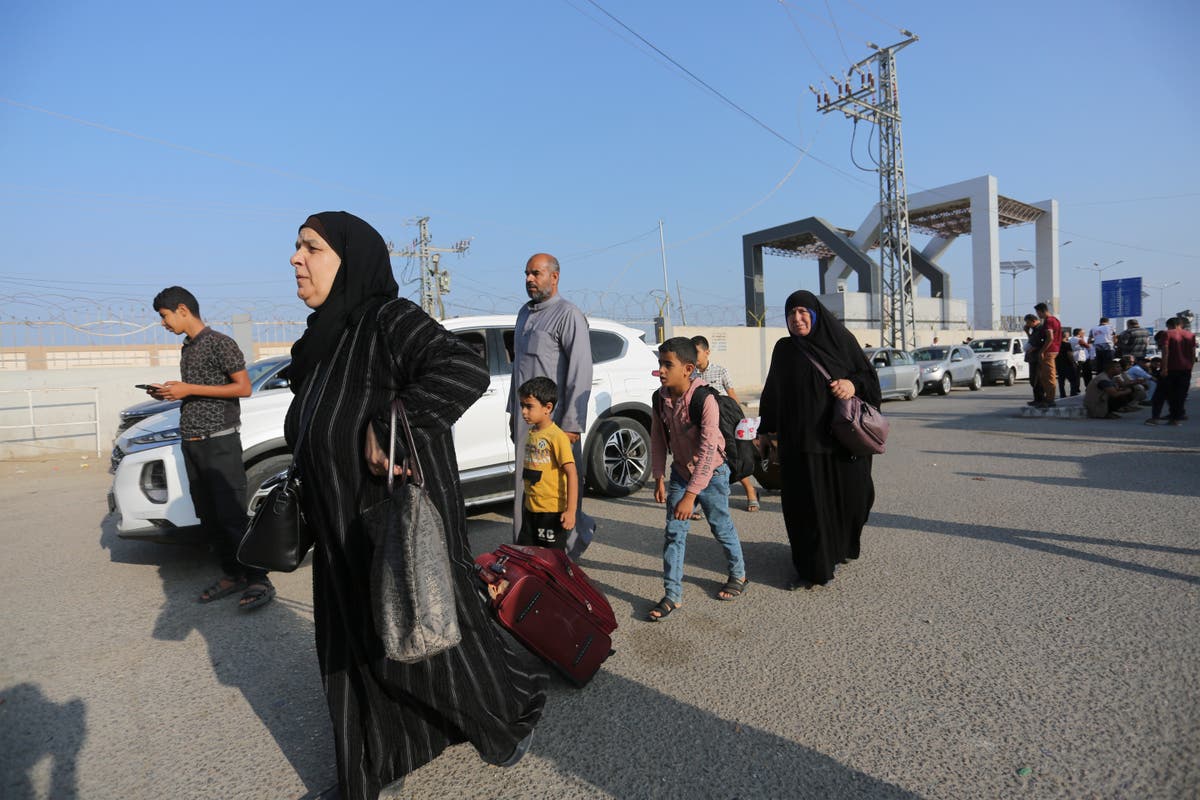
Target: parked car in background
{"type": "Point", "coordinates": [1003, 359]}
{"type": "Point", "coordinates": [945, 367]}
{"type": "Point", "coordinates": [899, 375]}
{"type": "Point", "coordinates": [265, 374]}
{"type": "Point", "coordinates": [150, 489]}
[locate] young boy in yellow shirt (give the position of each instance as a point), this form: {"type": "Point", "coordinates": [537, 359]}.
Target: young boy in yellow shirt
{"type": "Point", "coordinates": [551, 480]}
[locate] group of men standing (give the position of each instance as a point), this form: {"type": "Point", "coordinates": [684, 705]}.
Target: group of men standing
{"type": "Point", "coordinates": [1105, 350]}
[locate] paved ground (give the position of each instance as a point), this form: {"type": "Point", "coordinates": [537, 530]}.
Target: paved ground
{"type": "Point", "coordinates": [1025, 622]}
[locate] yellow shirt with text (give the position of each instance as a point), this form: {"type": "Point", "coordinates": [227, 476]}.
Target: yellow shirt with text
{"type": "Point", "coordinates": [546, 451]}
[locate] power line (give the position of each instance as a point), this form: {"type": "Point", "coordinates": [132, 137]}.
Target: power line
{"type": "Point", "coordinates": [698, 79]}
{"type": "Point", "coordinates": [597, 251]}
{"type": "Point", "coordinates": [725, 99]}
{"type": "Point", "coordinates": [837, 31]}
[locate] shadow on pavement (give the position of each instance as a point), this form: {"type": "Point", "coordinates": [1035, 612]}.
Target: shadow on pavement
{"type": "Point", "coordinates": [33, 728]}
{"type": "Point", "coordinates": [1117, 471]}
{"type": "Point", "coordinates": [1054, 543]}
{"type": "Point", "coordinates": [629, 740]}
{"type": "Point", "coordinates": [267, 654]}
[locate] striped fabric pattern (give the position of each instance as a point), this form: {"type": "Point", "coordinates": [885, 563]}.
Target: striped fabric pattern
{"type": "Point", "coordinates": [391, 718]}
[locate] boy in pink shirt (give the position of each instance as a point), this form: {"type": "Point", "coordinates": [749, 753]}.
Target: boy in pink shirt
{"type": "Point", "coordinates": [698, 473]}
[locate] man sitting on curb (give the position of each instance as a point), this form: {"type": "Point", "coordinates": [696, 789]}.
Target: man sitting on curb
{"type": "Point", "coordinates": [1103, 397]}
{"type": "Point", "coordinates": [1134, 379]}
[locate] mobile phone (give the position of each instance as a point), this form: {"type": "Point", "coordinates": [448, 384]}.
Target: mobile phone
{"type": "Point", "coordinates": [142, 386]}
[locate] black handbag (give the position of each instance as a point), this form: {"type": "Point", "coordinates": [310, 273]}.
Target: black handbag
{"type": "Point", "coordinates": [277, 538]}
{"type": "Point", "coordinates": [858, 426]}
{"type": "Point", "coordinates": [412, 588]}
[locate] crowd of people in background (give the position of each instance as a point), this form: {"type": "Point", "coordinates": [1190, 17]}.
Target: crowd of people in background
{"type": "Point", "coordinates": [1116, 373]}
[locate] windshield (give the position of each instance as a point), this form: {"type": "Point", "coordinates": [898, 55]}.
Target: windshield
{"type": "Point", "coordinates": [929, 354]}
{"type": "Point", "coordinates": [259, 369]}
{"type": "Point", "coordinates": [990, 345]}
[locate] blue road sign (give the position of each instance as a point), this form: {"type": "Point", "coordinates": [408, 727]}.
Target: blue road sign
{"type": "Point", "coordinates": [1121, 298]}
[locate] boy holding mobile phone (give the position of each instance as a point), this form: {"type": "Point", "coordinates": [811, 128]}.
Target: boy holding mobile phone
{"type": "Point", "coordinates": [214, 377]}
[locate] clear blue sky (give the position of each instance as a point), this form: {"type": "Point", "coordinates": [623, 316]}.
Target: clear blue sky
{"type": "Point", "coordinates": [187, 142]}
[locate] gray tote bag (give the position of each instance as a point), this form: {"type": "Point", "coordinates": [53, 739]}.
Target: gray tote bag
{"type": "Point", "coordinates": [412, 589]}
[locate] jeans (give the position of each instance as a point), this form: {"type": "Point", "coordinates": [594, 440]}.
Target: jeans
{"type": "Point", "coordinates": [714, 499]}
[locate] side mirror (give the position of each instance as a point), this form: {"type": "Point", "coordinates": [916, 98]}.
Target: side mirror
{"type": "Point", "coordinates": [956, 357]}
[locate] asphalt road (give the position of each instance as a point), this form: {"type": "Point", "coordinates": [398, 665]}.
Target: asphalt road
{"type": "Point", "coordinates": [1023, 623]}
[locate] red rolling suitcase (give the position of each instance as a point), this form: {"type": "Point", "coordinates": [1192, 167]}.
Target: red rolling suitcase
{"type": "Point", "coordinates": [548, 603]}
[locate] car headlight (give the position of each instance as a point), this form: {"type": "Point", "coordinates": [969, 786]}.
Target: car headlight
{"type": "Point", "coordinates": [158, 437]}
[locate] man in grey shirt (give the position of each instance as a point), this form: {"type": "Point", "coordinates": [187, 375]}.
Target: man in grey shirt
{"type": "Point", "coordinates": [552, 340]}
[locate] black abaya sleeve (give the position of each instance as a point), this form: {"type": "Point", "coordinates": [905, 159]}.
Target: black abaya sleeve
{"type": "Point", "coordinates": [437, 375]}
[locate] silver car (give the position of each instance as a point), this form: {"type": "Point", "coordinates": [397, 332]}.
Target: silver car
{"type": "Point", "coordinates": [943, 367]}
{"type": "Point", "coordinates": [899, 375]}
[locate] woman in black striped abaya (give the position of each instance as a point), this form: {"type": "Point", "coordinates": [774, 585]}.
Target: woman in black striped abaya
{"type": "Point", "coordinates": [362, 347]}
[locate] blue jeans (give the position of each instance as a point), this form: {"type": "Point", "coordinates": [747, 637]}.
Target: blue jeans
{"type": "Point", "coordinates": [714, 499]}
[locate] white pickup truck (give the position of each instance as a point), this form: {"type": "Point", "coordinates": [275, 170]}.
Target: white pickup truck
{"type": "Point", "coordinates": [150, 490]}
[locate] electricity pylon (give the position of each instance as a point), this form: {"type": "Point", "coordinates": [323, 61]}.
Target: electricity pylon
{"type": "Point", "coordinates": [878, 102]}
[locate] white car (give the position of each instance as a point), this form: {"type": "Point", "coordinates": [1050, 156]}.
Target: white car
{"type": "Point", "coordinates": [1002, 359]}
{"type": "Point", "coordinates": [150, 487]}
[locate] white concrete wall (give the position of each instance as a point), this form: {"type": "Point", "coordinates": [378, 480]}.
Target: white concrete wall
{"type": "Point", "coordinates": [113, 385]}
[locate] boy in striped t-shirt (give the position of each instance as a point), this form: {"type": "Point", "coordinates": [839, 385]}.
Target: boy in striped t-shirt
{"type": "Point", "coordinates": [717, 377]}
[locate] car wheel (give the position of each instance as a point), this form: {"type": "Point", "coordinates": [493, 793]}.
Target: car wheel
{"type": "Point", "coordinates": [1011, 378]}
{"type": "Point", "coordinates": [945, 385]}
{"type": "Point", "coordinates": [259, 473]}
{"type": "Point", "coordinates": [619, 459]}
{"type": "Point", "coordinates": [916, 390]}
{"type": "Point", "coordinates": [977, 382]}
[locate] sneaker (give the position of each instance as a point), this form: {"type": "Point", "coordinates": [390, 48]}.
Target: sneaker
{"type": "Point", "coordinates": [1154, 421]}
{"type": "Point", "coordinates": [1176, 422]}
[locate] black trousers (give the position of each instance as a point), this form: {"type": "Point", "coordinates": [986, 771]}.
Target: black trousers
{"type": "Point", "coordinates": [1177, 384]}
{"type": "Point", "coordinates": [217, 481]}
{"type": "Point", "coordinates": [1035, 380]}
{"type": "Point", "coordinates": [1067, 373]}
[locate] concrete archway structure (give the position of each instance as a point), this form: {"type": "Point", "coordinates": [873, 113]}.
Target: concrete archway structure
{"type": "Point", "coordinates": [973, 207]}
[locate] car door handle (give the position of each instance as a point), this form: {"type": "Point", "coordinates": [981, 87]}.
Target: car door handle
{"type": "Point", "coordinates": [597, 382]}
{"type": "Point", "coordinates": [489, 393]}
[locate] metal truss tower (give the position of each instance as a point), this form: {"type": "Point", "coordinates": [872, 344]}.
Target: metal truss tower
{"type": "Point", "coordinates": [878, 102]}
{"type": "Point", "coordinates": [434, 281]}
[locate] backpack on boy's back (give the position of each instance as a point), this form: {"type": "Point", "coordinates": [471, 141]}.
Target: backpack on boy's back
{"type": "Point", "coordinates": [740, 454]}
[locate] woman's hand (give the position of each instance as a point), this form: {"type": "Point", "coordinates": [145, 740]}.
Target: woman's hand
{"type": "Point", "coordinates": [377, 457]}
{"type": "Point", "coordinates": [842, 389]}
{"type": "Point", "coordinates": [763, 444]}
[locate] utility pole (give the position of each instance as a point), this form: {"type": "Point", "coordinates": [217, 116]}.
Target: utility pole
{"type": "Point", "coordinates": [666, 290]}
{"type": "Point", "coordinates": [878, 102]}
{"type": "Point", "coordinates": [435, 281]}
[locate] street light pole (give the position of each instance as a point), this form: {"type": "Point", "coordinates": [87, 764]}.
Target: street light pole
{"type": "Point", "coordinates": [1161, 292]}
{"type": "Point", "coordinates": [1099, 270]}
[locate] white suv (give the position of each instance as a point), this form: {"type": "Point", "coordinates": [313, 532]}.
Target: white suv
{"type": "Point", "coordinates": [150, 488]}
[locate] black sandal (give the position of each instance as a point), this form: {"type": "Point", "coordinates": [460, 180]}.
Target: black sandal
{"type": "Point", "coordinates": [664, 609]}
{"type": "Point", "coordinates": [256, 595]}
{"type": "Point", "coordinates": [734, 588]}
{"type": "Point", "coordinates": [217, 591]}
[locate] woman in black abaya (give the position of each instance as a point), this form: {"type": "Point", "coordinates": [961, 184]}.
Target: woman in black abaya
{"type": "Point", "coordinates": [827, 492]}
{"type": "Point", "coordinates": [364, 346]}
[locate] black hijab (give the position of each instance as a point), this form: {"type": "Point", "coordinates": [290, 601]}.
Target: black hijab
{"type": "Point", "coordinates": [828, 340]}
{"type": "Point", "coordinates": [363, 283]}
